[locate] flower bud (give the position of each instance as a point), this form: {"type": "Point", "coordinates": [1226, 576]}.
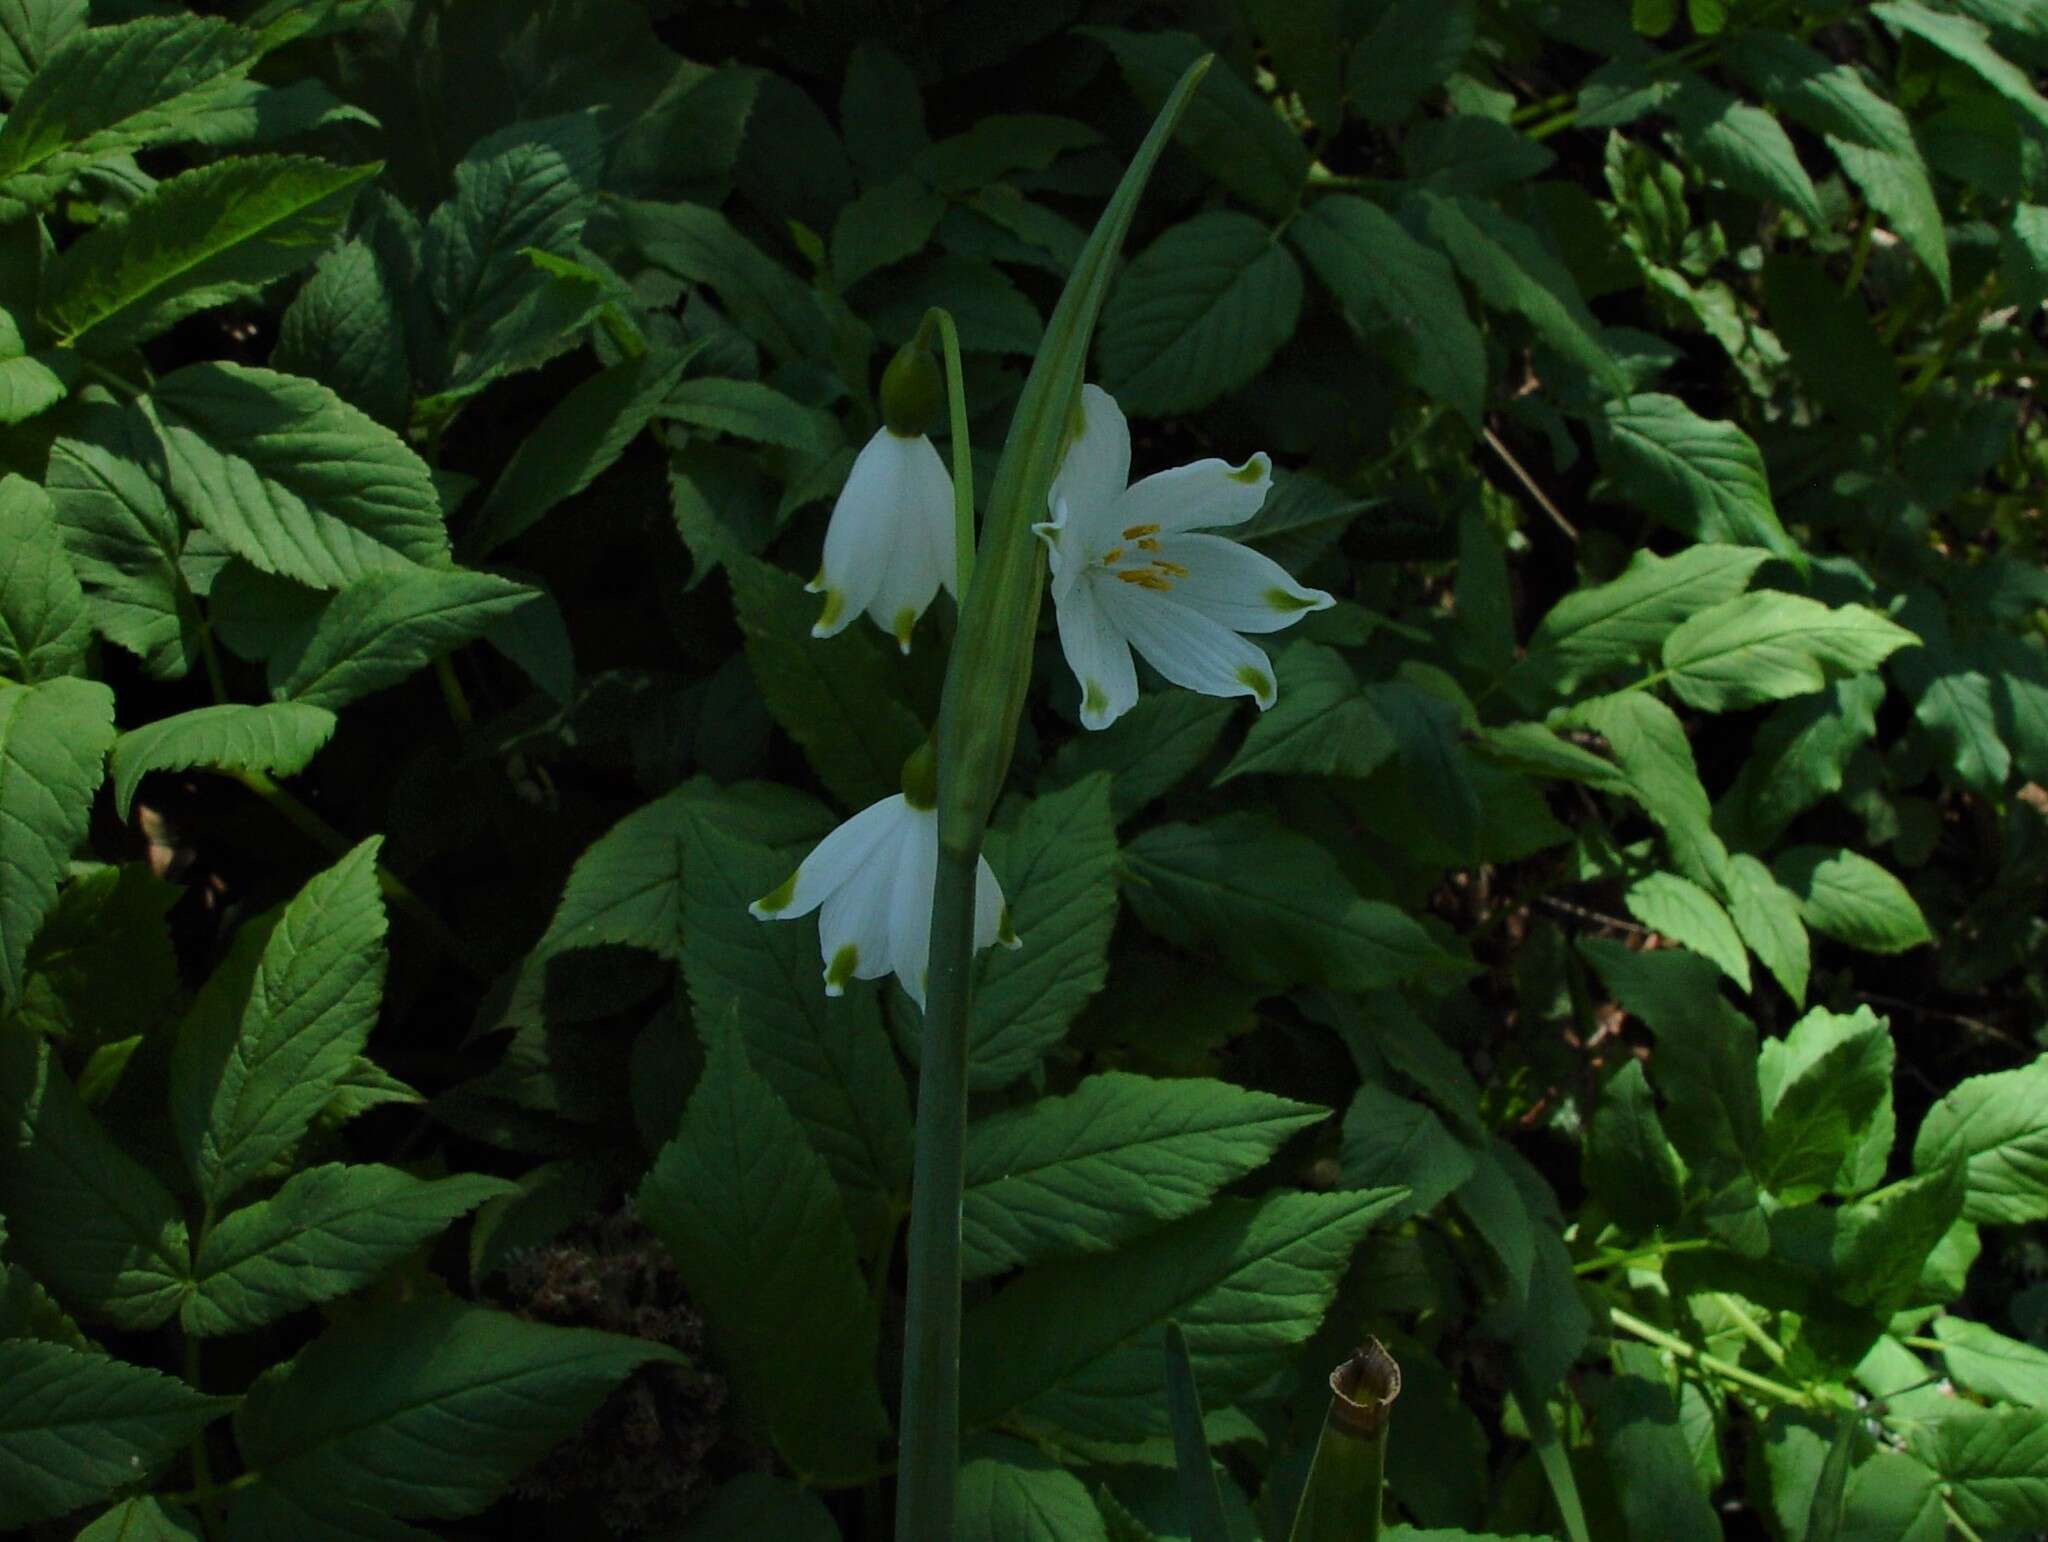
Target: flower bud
{"type": "Point", "coordinates": [921, 777]}
{"type": "Point", "coordinates": [913, 390]}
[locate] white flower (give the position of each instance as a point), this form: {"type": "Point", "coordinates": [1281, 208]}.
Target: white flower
{"type": "Point", "coordinates": [890, 543]}
{"type": "Point", "coordinates": [1129, 571]}
{"type": "Point", "coordinates": [874, 877]}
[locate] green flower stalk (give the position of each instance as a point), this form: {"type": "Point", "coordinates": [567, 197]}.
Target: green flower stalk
{"type": "Point", "coordinates": [1342, 1500]}
{"type": "Point", "coordinates": [986, 681]}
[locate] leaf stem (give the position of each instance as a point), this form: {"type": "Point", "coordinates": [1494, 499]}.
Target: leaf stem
{"type": "Point", "coordinates": [963, 450]}
{"type": "Point", "coordinates": [451, 693]}
{"type": "Point", "coordinates": [1656, 1250]}
{"type": "Point", "coordinates": [1752, 1330]}
{"type": "Point", "coordinates": [1726, 1370]}
{"type": "Point", "coordinates": [403, 900]}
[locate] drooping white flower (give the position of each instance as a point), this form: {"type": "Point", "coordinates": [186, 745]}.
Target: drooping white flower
{"type": "Point", "coordinates": [871, 881]}
{"type": "Point", "coordinates": [1130, 568]}
{"type": "Point", "coordinates": [889, 546]}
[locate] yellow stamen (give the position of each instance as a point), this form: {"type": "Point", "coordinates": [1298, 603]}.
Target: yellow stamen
{"type": "Point", "coordinates": [1172, 568]}
{"type": "Point", "coordinates": [1148, 544]}
{"type": "Point", "coordinates": [1131, 533]}
{"type": "Point", "coordinates": [1114, 554]}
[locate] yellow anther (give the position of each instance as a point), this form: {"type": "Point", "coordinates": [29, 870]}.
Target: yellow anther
{"type": "Point", "coordinates": [1131, 533]}
{"type": "Point", "coordinates": [1135, 575]}
{"type": "Point", "coordinates": [1148, 544]}
{"type": "Point", "coordinates": [1172, 568]}
{"type": "Point", "coordinates": [1114, 554]}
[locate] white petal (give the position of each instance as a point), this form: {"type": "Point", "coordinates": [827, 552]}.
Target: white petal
{"type": "Point", "coordinates": [1095, 471]}
{"type": "Point", "coordinates": [991, 915]}
{"type": "Point", "coordinates": [853, 925]}
{"type": "Point", "coordinates": [1062, 556]}
{"type": "Point", "coordinates": [1096, 651]}
{"type": "Point", "coordinates": [833, 861]}
{"type": "Point", "coordinates": [1196, 497]}
{"type": "Point", "coordinates": [1187, 647]}
{"type": "Point", "coordinates": [920, 556]}
{"type": "Point", "coordinates": [880, 533]}
{"type": "Point", "coordinates": [910, 902]}
{"type": "Point", "coordinates": [1235, 586]}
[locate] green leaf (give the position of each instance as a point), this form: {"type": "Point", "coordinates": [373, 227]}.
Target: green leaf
{"type": "Point", "coordinates": [278, 738]}
{"type": "Point", "coordinates": [369, 1412]}
{"type": "Point", "coordinates": [1411, 49]}
{"type": "Point", "coordinates": [143, 1520]}
{"type": "Point", "coordinates": [107, 90]}
{"type": "Point", "coordinates": [1833, 343]}
{"type": "Point", "coordinates": [1993, 1461]}
{"type": "Point", "coordinates": [1767, 645]}
{"type": "Point", "coordinates": [1744, 147]}
{"type": "Point", "coordinates": [832, 694]}
{"type": "Point", "coordinates": [1095, 1324]}
{"type": "Point", "coordinates": [1471, 154]}
{"type": "Point", "coordinates": [1147, 751]}
{"type": "Point", "coordinates": [827, 1058]}
{"type": "Point", "coordinates": [1513, 271]}
{"type": "Point", "coordinates": [102, 969]}
{"type": "Point", "coordinates": [546, 316]}
{"type": "Point", "coordinates": [30, 31]}
{"type": "Point", "coordinates": [793, 1325]}
{"type": "Point", "coordinates": [1401, 295]}
{"type": "Point", "coordinates": [1057, 865]}
{"type": "Point", "coordinates": [1628, 1160]}
{"type": "Point", "coordinates": [86, 1219]}
{"type": "Point", "coordinates": [1953, 700]}
{"type": "Point", "coordinates": [1322, 725]}
{"type": "Point", "coordinates": [1826, 1089]}
{"type": "Point", "coordinates": [1625, 621]}
{"type": "Point", "coordinates": [1698, 476]}
{"type": "Point", "coordinates": [530, 186]}
{"type": "Point", "coordinates": [1998, 1126]}
{"type": "Point", "coordinates": [278, 1026]}
{"type": "Point", "coordinates": [1991, 1365]}
{"type": "Point", "coordinates": [1197, 314]}
{"type": "Point", "coordinates": [54, 739]}
{"type": "Point", "coordinates": [1767, 915]}
{"type": "Point", "coordinates": [346, 328]}
{"type": "Point", "coordinates": [292, 478]}
{"type": "Point", "coordinates": [1013, 1492]}
{"type": "Point", "coordinates": [1428, 731]}
{"type": "Point", "coordinates": [700, 246]}
{"type": "Point", "coordinates": [998, 145]}
{"type": "Point", "coordinates": [760, 1505]}
{"type": "Point", "coordinates": [1798, 756]}
{"type": "Point", "coordinates": [1116, 1158]}
{"type": "Point", "coordinates": [993, 315]}
{"type": "Point", "coordinates": [1688, 914]}
{"type": "Point", "coordinates": [1273, 903]}
{"type": "Point", "coordinates": [1969, 45]}
{"type": "Point", "coordinates": [79, 1426]}
{"type": "Point", "coordinates": [1636, 1427]}
{"type": "Point", "coordinates": [1392, 1140]}
{"type": "Point", "coordinates": [385, 625]}
{"type": "Point", "coordinates": [884, 225]}
{"type": "Point", "coordinates": [583, 435]}
{"type": "Point", "coordinates": [330, 1230]}
{"type": "Point", "coordinates": [1851, 899]}
{"type": "Point", "coordinates": [30, 382]}
{"type": "Point", "coordinates": [747, 409]}
{"type": "Point", "coordinates": [1651, 747]}
{"type": "Point", "coordinates": [123, 538]}
{"type": "Point", "coordinates": [197, 241]}
{"type": "Point", "coordinates": [44, 632]}
{"type": "Point", "coordinates": [1892, 1498]}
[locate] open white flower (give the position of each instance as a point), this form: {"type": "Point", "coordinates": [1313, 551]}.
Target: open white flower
{"type": "Point", "coordinates": [890, 543]}
{"type": "Point", "coordinates": [1130, 570]}
{"type": "Point", "coordinates": [871, 881]}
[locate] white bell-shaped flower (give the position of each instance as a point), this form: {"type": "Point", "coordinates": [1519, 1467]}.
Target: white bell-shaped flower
{"type": "Point", "coordinates": [889, 546]}
{"type": "Point", "coordinates": [871, 881]}
{"type": "Point", "coordinates": [1130, 568]}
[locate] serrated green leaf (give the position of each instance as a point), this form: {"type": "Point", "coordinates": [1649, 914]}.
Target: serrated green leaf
{"type": "Point", "coordinates": [827, 1058]}
{"type": "Point", "coordinates": [277, 738]}
{"type": "Point", "coordinates": [700, 246]}
{"type": "Point", "coordinates": [831, 694]}
{"type": "Point", "coordinates": [101, 969]}
{"type": "Point", "coordinates": [1953, 700]}
{"type": "Point", "coordinates": [530, 186]}
{"type": "Point", "coordinates": [143, 1520]}
{"type": "Point", "coordinates": [1427, 731]}
{"type": "Point", "coordinates": [1146, 751]}
{"type": "Point", "coordinates": [327, 1232]}
{"type": "Point", "coordinates": [1850, 898]}
{"type": "Point", "coordinates": [1997, 1125]}
{"type": "Point", "coordinates": [1826, 1089]}
{"type": "Point", "coordinates": [1197, 314]}
{"type": "Point", "coordinates": [1767, 915]}
{"type": "Point", "coordinates": [1969, 44]}
{"type": "Point", "coordinates": [1636, 1428]}
{"type": "Point", "coordinates": [31, 382]}
{"type": "Point", "coordinates": [793, 1324]}
{"type": "Point", "coordinates": [1991, 1365]}
{"type": "Point", "coordinates": [1057, 865]}
{"type": "Point", "coordinates": [1650, 745]}
{"type": "Point", "coordinates": [1395, 1141]}
{"type": "Point", "coordinates": [1322, 725]}
{"type": "Point", "coordinates": [1798, 757]}
{"type": "Point", "coordinates": [1227, 129]}
{"type": "Point", "coordinates": [1767, 645]}
{"type": "Point", "coordinates": [747, 409]}
{"type": "Point", "coordinates": [44, 632]}
{"type": "Point", "coordinates": [993, 315]}
{"type": "Point", "coordinates": [1628, 1160]}
{"type": "Point", "coordinates": [90, 1222]}
{"type": "Point", "coordinates": [54, 739]}
{"type": "Point", "coordinates": [1013, 1492]}
{"type": "Point", "coordinates": [123, 538]}
{"type": "Point", "coordinates": [385, 625]}
{"type": "Point", "coordinates": [1410, 50]}
{"type": "Point", "coordinates": [1471, 154]}
{"type": "Point", "coordinates": [196, 241]}
{"type": "Point", "coordinates": [1095, 1324]}
{"type": "Point", "coordinates": [1116, 1158]}
{"type": "Point", "coordinates": [30, 31]}
{"type": "Point", "coordinates": [1744, 147]}
{"type": "Point", "coordinates": [1273, 903]}
{"type": "Point", "coordinates": [346, 329]}
{"type": "Point", "coordinates": [1993, 1463]}
{"type": "Point", "coordinates": [78, 1426]}
{"type": "Point", "coordinates": [761, 1505]}
{"type": "Point", "coordinates": [104, 91]}
{"type": "Point", "coordinates": [884, 225]}
{"type": "Point", "coordinates": [1625, 621]}
{"type": "Point", "coordinates": [278, 1026]}
{"type": "Point", "coordinates": [1834, 345]}
{"type": "Point", "coordinates": [1403, 296]}
{"type": "Point", "coordinates": [1701, 477]}
{"type": "Point", "coordinates": [369, 1412]}
{"type": "Point", "coordinates": [999, 145]}
{"type": "Point", "coordinates": [291, 478]}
